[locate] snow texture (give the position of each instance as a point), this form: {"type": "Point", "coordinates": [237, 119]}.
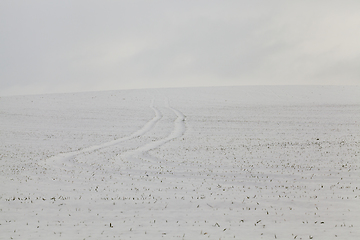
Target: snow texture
{"type": "Point", "coordinates": [256, 162]}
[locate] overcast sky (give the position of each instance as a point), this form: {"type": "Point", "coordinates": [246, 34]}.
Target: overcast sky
{"type": "Point", "coordinates": [70, 46]}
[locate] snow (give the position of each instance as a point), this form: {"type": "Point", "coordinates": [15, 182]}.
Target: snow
{"type": "Point", "coordinates": [255, 162]}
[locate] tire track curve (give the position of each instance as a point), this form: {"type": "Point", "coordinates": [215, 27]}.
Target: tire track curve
{"type": "Point", "coordinates": [62, 157]}
{"type": "Point", "coordinates": [177, 132]}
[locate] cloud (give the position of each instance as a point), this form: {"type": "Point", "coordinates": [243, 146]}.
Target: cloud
{"type": "Point", "coordinates": [89, 45]}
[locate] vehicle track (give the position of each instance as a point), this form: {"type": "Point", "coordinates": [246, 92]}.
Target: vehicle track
{"type": "Point", "coordinates": [178, 131]}
{"type": "Point", "coordinates": [68, 161]}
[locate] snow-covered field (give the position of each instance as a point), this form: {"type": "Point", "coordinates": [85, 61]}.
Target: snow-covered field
{"type": "Point", "coordinates": [193, 163]}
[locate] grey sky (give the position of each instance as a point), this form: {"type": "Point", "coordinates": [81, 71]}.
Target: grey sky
{"type": "Point", "coordinates": [68, 46]}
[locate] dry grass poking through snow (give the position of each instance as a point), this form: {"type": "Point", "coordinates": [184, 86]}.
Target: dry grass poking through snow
{"type": "Point", "coordinates": [198, 163]}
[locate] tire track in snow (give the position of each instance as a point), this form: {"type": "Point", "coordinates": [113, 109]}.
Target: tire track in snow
{"type": "Point", "coordinates": [178, 131]}
{"type": "Point", "coordinates": [146, 128]}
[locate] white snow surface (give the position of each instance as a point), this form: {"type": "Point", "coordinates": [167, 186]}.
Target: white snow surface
{"type": "Point", "coordinates": [254, 162]}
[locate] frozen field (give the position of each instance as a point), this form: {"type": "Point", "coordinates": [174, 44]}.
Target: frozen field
{"type": "Point", "coordinates": [192, 163]}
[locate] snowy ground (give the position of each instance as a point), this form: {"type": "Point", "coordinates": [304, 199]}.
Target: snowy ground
{"type": "Point", "coordinates": [197, 163]}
